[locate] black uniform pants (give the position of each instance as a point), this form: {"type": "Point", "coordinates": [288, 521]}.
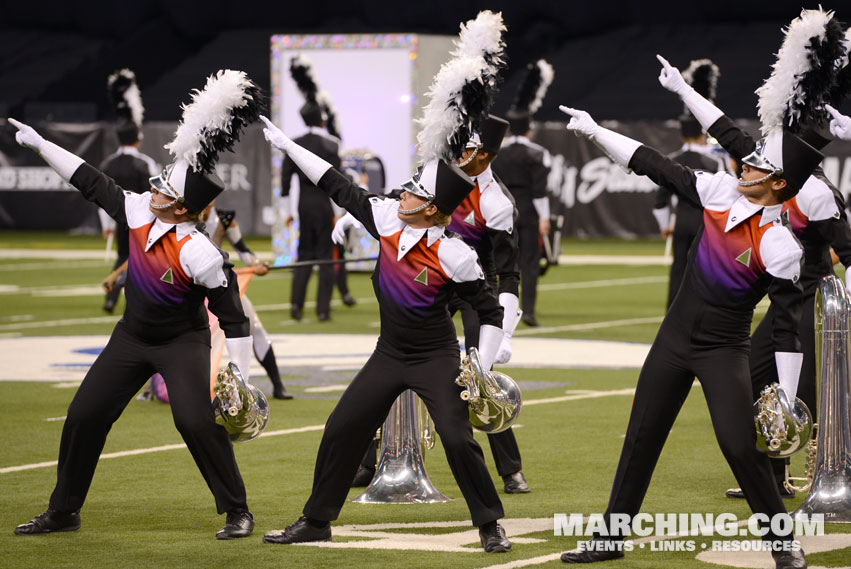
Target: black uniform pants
{"type": "Point", "coordinates": [764, 368]}
{"type": "Point", "coordinates": [529, 262]}
{"type": "Point", "coordinates": [341, 276]}
{"type": "Point", "coordinates": [695, 339]}
{"type": "Point", "coordinates": [506, 453]}
{"type": "Point", "coordinates": [681, 245]}
{"type": "Point", "coordinates": [314, 243]}
{"type": "Point", "coordinates": [118, 373]}
{"type": "Point", "coordinates": [365, 404]}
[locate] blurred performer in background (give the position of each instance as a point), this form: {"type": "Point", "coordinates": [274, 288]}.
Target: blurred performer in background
{"type": "Point", "coordinates": [805, 76]}
{"type": "Point", "coordinates": [685, 223]}
{"type": "Point", "coordinates": [485, 220]}
{"type": "Point", "coordinates": [745, 250]}
{"type": "Point", "coordinates": [220, 225]}
{"type": "Point", "coordinates": [523, 167]}
{"type": "Point", "coordinates": [127, 166]}
{"type": "Point", "coordinates": [316, 217]}
{"type": "Point", "coordinates": [173, 268]}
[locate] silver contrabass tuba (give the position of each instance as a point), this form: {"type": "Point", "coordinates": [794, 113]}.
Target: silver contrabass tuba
{"type": "Point", "coordinates": [400, 477]}
{"type": "Point", "coordinates": [494, 398]}
{"type": "Point", "coordinates": [239, 407]}
{"type": "Point", "coordinates": [829, 471]}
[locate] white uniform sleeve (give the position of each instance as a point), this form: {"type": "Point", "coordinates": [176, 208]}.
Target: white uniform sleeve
{"type": "Point", "coordinates": [542, 207]}
{"type": "Point", "coordinates": [459, 260]}
{"type": "Point", "coordinates": [781, 253]}
{"type": "Point", "coordinates": [717, 191]}
{"type": "Point", "coordinates": [203, 261]}
{"type": "Point", "coordinates": [497, 210]}
{"type": "Point", "coordinates": [816, 200]}
{"type": "Point", "coordinates": [106, 222]}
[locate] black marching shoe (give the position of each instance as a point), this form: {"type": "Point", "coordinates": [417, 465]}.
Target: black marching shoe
{"type": "Point", "coordinates": [594, 550]}
{"type": "Point", "coordinates": [789, 559]}
{"type": "Point", "coordinates": [296, 313]}
{"type": "Point", "coordinates": [515, 483]}
{"type": "Point", "coordinates": [299, 532]}
{"type": "Point", "coordinates": [280, 392]}
{"type": "Point", "coordinates": [737, 492]}
{"type": "Point", "coordinates": [493, 538]}
{"type": "Point", "coordinates": [50, 521]}
{"type": "Point", "coordinates": [363, 477]}
{"type": "Point", "coordinates": [323, 317]}
{"type": "Point", "coordinates": [530, 320]}
{"type": "Point", "coordinates": [349, 300]}
{"type": "Point", "coordinates": [237, 524]}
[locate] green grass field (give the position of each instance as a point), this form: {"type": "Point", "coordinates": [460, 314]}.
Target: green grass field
{"type": "Point", "coordinates": [154, 510]}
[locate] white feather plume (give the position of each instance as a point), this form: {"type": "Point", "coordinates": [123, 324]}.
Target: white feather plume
{"type": "Point", "coordinates": [547, 75]}
{"type": "Point", "coordinates": [131, 95]}
{"type": "Point", "coordinates": [782, 88]}
{"type": "Point", "coordinates": [440, 120]}
{"type": "Point", "coordinates": [210, 114]}
{"type": "Point", "coordinates": [482, 36]}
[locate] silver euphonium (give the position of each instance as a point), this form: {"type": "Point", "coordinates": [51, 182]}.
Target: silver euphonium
{"type": "Point", "coordinates": [400, 477]}
{"type": "Point", "coordinates": [783, 427]}
{"type": "Point", "coordinates": [239, 407]}
{"type": "Point", "coordinates": [494, 398]}
{"type": "Point", "coordinates": [829, 470]}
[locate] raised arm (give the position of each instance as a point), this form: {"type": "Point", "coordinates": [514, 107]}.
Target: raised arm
{"type": "Point", "coordinates": [733, 139]}
{"type": "Point", "coordinates": [93, 184]}
{"type": "Point", "coordinates": [341, 189]}
{"type": "Point", "coordinates": [840, 125]}
{"type": "Point", "coordinates": [631, 154]}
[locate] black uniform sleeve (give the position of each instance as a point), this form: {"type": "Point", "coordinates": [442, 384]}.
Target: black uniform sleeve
{"type": "Point", "coordinates": [665, 172]}
{"type": "Point", "coordinates": [99, 188]}
{"type": "Point", "coordinates": [288, 169]}
{"type": "Point", "coordinates": [733, 139]}
{"type": "Point", "coordinates": [662, 198]}
{"type": "Point", "coordinates": [483, 300]}
{"type": "Point", "coordinates": [225, 303]}
{"type": "Point", "coordinates": [538, 174]}
{"type": "Point", "coordinates": [350, 197]}
{"type": "Point", "coordinates": [505, 257]}
{"type": "Point", "coordinates": [787, 297]}
{"type": "Point", "coordinates": [837, 232]}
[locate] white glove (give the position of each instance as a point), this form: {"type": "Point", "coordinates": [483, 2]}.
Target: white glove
{"type": "Point", "coordinates": [618, 147]}
{"type": "Point", "coordinates": [671, 78]}
{"type": "Point", "coordinates": [788, 372]}
{"type": "Point", "coordinates": [840, 126]}
{"type": "Point", "coordinates": [27, 136]}
{"type": "Point", "coordinates": [702, 108]}
{"type": "Point", "coordinates": [503, 355]}
{"type": "Point", "coordinates": [338, 235]}
{"type": "Point", "coordinates": [275, 136]}
{"type": "Point", "coordinates": [239, 350]}
{"type": "Point", "coordinates": [580, 122]}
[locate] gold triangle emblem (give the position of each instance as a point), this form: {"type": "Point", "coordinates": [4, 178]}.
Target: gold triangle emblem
{"type": "Point", "coordinates": [745, 258]}
{"type": "Point", "coordinates": [422, 278]}
{"type": "Point", "coordinates": [470, 219]}
{"type": "Point", "coordinates": [167, 277]}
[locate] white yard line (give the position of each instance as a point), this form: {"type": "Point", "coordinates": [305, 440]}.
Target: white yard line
{"type": "Point", "coordinates": [136, 452]}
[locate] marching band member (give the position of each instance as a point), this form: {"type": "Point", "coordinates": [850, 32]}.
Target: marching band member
{"type": "Point", "coordinates": [419, 267]}
{"type": "Point", "coordinates": [687, 219]}
{"type": "Point", "coordinates": [744, 251]}
{"type": "Point", "coordinates": [316, 217]}
{"type": "Point", "coordinates": [817, 213]}
{"type": "Point", "coordinates": [523, 167]}
{"type": "Point", "coordinates": [220, 225]}
{"type": "Point", "coordinates": [173, 267]}
{"type": "Point", "coordinates": [127, 166]}
{"type": "Point", "coordinates": [485, 220]}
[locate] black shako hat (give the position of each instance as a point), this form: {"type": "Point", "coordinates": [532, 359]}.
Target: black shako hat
{"type": "Point", "coordinates": [490, 135]}
{"type": "Point", "coordinates": [445, 185]}
{"type": "Point", "coordinates": [787, 156]}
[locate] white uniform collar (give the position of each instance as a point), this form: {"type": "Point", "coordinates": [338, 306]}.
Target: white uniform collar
{"type": "Point", "coordinates": [160, 228]}
{"type": "Point", "coordinates": [128, 150]}
{"type": "Point", "coordinates": [484, 179]}
{"type": "Point", "coordinates": [411, 236]}
{"type": "Point", "coordinates": [743, 209]}
{"type": "Point", "coordinates": [517, 139]}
